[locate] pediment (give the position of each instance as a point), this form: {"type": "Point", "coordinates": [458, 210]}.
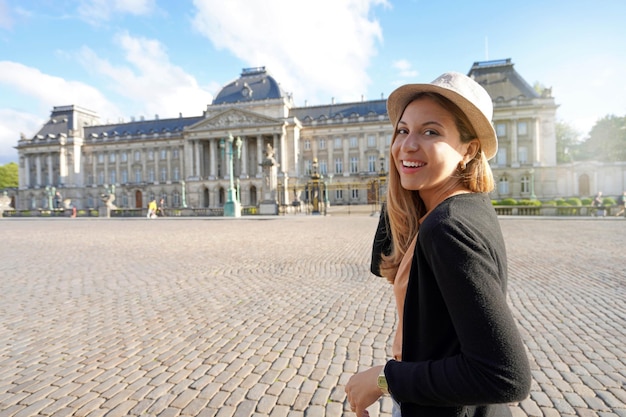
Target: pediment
{"type": "Point", "coordinates": [233, 118]}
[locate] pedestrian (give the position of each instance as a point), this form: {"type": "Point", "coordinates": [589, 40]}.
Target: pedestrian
{"type": "Point", "coordinates": [457, 351]}
{"type": "Point", "coordinates": [161, 209]}
{"type": "Point", "coordinates": [598, 204]}
{"type": "Point", "coordinates": [152, 209]}
{"type": "Point", "coordinates": [621, 203]}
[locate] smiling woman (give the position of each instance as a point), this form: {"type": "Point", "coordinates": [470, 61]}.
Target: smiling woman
{"type": "Point", "coordinates": [456, 350]}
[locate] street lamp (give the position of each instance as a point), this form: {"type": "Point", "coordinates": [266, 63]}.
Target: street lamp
{"type": "Point", "coordinates": [532, 184]}
{"type": "Point", "coordinates": [232, 207]}
{"type": "Point", "coordinates": [315, 178]}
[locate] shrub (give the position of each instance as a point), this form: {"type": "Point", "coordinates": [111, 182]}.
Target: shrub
{"type": "Point", "coordinates": [586, 201]}
{"type": "Point", "coordinates": [574, 201]}
{"type": "Point", "coordinates": [508, 202]}
{"type": "Point", "coordinates": [561, 202]}
{"type": "Point", "coordinates": [609, 201]}
{"type": "Point", "coordinates": [532, 203]}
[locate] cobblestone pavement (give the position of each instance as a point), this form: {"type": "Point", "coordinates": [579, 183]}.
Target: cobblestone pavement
{"type": "Point", "coordinates": [271, 316]}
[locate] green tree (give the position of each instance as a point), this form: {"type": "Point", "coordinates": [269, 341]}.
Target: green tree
{"type": "Point", "coordinates": [607, 140]}
{"type": "Point", "coordinates": [568, 142]}
{"type": "Point", "coordinates": [8, 175]}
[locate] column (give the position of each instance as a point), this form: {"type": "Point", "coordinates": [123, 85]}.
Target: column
{"type": "Point", "coordinates": [38, 170]}
{"type": "Point", "coordinates": [169, 164]}
{"type": "Point", "coordinates": [244, 157]}
{"type": "Point", "coordinates": [513, 136]}
{"type": "Point", "coordinates": [25, 173]}
{"type": "Point", "coordinates": [259, 156]}
{"type": "Point", "coordinates": [196, 151]}
{"type": "Point", "coordinates": [536, 152]}
{"type": "Point", "coordinates": [187, 157]}
{"type": "Point", "coordinates": [213, 149]}
{"type": "Point", "coordinates": [50, 172]}
{"type": "Point", "coordinates": [277, 149]}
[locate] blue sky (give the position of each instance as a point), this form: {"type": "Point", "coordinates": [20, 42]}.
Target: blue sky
{"type": "Point", "coordinates": [133, 58]}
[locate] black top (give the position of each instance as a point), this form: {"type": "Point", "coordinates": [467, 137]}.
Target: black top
{"type": "Point", "coordinates": [462, 354]}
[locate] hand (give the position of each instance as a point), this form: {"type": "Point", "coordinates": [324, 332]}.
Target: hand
{"type": "Point", "coordinates": [362, 390]}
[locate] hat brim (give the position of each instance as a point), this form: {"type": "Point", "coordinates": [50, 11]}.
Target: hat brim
{"type": "Point", "coordinates": [402, 96]}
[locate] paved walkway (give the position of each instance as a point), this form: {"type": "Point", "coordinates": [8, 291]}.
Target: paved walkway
{"type": "Point", "coordinates": [271, 316]}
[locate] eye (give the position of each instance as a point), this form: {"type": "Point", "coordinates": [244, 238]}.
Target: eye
{"type": "Point", "coordinates": [431, 132]}
{"type": "Point", "coordinates": [402, 131]}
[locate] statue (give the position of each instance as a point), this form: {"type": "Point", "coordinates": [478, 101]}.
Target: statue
{"type": "Point", "coordinates": [5, 203]}
{"type": "Point", "coordinates": [269, 204]}
{"type": "Point", "coordinates": [108, 197]}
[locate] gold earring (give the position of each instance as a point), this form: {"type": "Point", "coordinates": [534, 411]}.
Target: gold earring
{"type": "Point", "coordinates": [462, 165]}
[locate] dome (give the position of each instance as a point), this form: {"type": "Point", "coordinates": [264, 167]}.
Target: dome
{"type": "Point", "coordinates": [254, 84]}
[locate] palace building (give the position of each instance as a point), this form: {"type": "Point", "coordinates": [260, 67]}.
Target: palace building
{"type": "Point", "coordinates": [345, 146]}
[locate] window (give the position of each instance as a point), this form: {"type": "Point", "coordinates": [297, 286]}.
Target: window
{"type": "Point", "coordinates": [522, 128]}
{"type": "Point", "coordinates": [112, 157]}
{"type": "Point", "coordinates": [124, 176]}
{"type": "Point", "coordinates": [100, 158]}
{"type": "Point", "coordinates": [100, 177]}
{"type": "Point", "coordinates": [308, 167]}
{"type": "Point", "coordinates": [388, 140]}
{"type": "Point", "coordinates": [151, 155]}
{"type": "Point", "coordinates": [337, 143]}
{"type": "Point", "coordinates": [525, 183]}
{"type": "Point", "coordinates": [137, 174]}
{"type": "Point", "coordinates": [500, 129]}
{"type": "Point", "coordinates": [124, 156]}
{"type": "Point", "coordinates": [163, 176]}
{"type": "Point", "coordinates": [503, 186]}
{"type": "Point", "coordinates": [371, 163]}
{"type": "Point", "coordinates": [522, 154]}
{"type": "Point", "coordinates": [354, 142]}
{"type": "Point", "coordinates": [176, 173]}
{"type": "Point", "coordinates": [371, 141]}
{"type": "Point", "coordinates": [175, 153]}
{"type": "Point", "coordinates": [322, 143]}
{"type": "Point", "coordinates": [137, 156]}
{"type": "Point", "coordinates": [338, 166]}
{"type": "Point", "coordinates": [354, 165]}
{"type": "Point", "coordinates": [338, 194]}
{"type": "Point", "coordinates": [124, 200]}
{"type": "Point", "coordinates": [355, 193]}
{"type": "Point", "coordinates": [323, 167]}
{"type": "Point", "coordinates": [176, 199]}
{"type": "Point", "coordinates": [151, 177]}
{"type": "Point", "coordinates": [501, 156]}
{"type": "Point", "coordinates": [163, 154]}
{"type": "Point", "coordinates": [113, 177]}
{"type": "Point", "coordinates": [307, 145]}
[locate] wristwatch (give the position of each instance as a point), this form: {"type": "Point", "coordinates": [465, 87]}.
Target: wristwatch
{"type": "Point", "coordinates": [382, 382]}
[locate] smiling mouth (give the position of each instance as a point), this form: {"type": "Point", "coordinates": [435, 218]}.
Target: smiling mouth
{"type": "Point", "coordinates": [409, 164]}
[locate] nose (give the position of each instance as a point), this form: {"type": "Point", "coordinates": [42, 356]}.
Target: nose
{"type": "Point", "coordinates": [410, 143]}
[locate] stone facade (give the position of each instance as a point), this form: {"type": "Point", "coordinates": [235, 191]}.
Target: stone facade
{"type": "Point", "coordinates": [183, 160]}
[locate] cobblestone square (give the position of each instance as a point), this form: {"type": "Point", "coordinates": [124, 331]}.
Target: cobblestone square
{"type": "Point", "coordinates": [270, 316]}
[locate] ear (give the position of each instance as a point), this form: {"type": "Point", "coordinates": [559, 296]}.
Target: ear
{"type": "Point", "coordinates": [471, 150]}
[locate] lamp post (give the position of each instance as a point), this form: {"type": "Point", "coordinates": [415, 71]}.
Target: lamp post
{"type": "Point", "coordinates": [232, 207]}
{"type": "Point", "coordinates": [315, 178]}
{"type": "Point", "coordinates": [182, 184]}
{"type": "Point", "coordinates": [532, 184]}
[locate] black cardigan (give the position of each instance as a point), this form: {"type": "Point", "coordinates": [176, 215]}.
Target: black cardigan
{"type": "Point", "coordinates": [462, 354]}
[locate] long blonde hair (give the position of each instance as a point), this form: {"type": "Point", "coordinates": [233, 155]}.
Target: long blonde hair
{"type": "Point", "coordinates": [405, 207]}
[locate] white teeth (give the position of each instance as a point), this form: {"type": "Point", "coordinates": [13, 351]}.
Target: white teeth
{"type": "Point", "coordinates": [412, 164]}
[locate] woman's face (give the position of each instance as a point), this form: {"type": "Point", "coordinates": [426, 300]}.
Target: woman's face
{"type": "Point", "coordinates": [427, 149]}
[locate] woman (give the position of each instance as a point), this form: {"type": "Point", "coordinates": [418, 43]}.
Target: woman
{"type": "Point", "coordinates": [457, 351]}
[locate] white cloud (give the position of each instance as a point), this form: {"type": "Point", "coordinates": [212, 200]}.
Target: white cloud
{"type": "Point", "coordinates": [325, 53]}
{"type": "Point", "coordinates": [151, 82]}
{"type": "Point", "coordinates": [98, 10]}
{"type": "Point", "coordinates": [47, 91]}
{"type": "Point", "coordinates": [12, 124]}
